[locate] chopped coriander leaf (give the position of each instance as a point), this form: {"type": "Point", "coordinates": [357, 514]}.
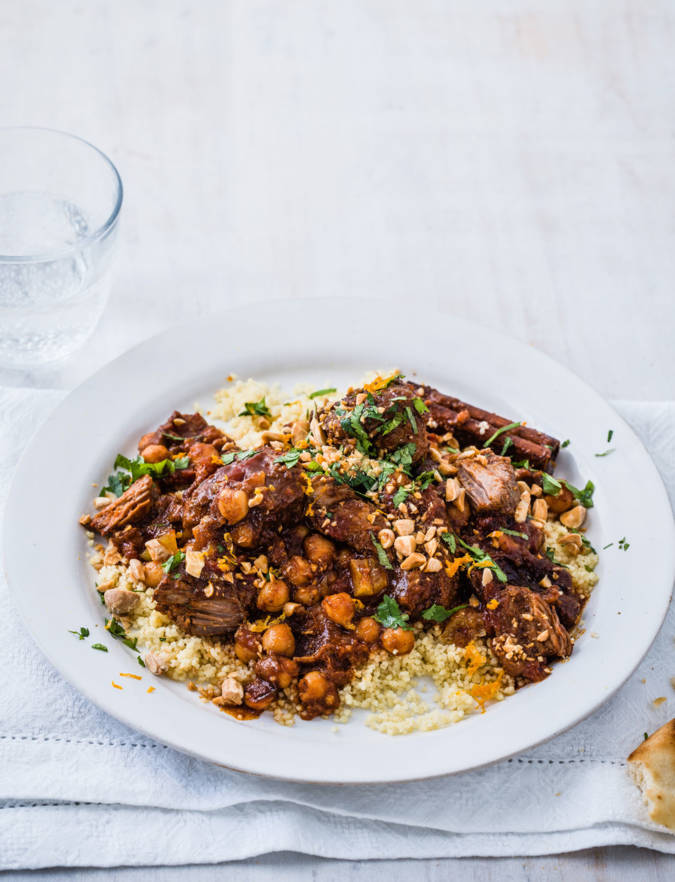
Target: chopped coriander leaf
{"type": "Point", "coordinates": [420, 406]}
{"type": "Point", "coordinates": [391, 424]}
{"type": "Point", "coordinates": [584, 496]}
{"type": "Point", "coordinates": [256, 408]}
{"type": "Point", "coordinates": [320, 392]}
{"type": "Point", "coordinates": [130, 470]}
{"type": "Point", "coordinates": [182, 462]}
{"type": "Point", "coordinates": [81, 634]}
{"type": "Point", "coordinates": [606, 452]}
{"type": "Point", "coordinates": [566, 443]}
{"type": "Point", "coordinates": [499, 432]}
{"type": "Point", "coordinates": [313, 466]}
{"type": "Point", "coordinates": [451, 449]}
{"type": "Point", "coordinates": [351, 424]}
{"type": "Point", "coordinates": [99, 646]}
{"type": "Point", "coordinates": [623, 545]}
{"type": "Point", "coordinates": [140, 661]}
{"type": "Point", "coordinates": [610, 435]}
{"type": "Point", "coordinates": [290, 458]}
{"type": "Point", "coordinates": [400, 496]}
{"type": "Point", "coordinates": [508, 443]}
{"type": "Point", "coordinates": [389, 614]}
{"type": "Point", "coordinates": [450, 540]}
{"type": "Point", "coordinates": [550, 554]}
{"type": "Point", "coordinates": [411, 419]}
{"type": "Point", "coordinates": [402, 456]}
{"type": "Point", "coordinates": [382, 555]}
{"type": "Point", "coordinates": [227, 458]}
{"type": "Point", "coordinates": [115, 630]}
{"type": "Point", "coordinates": [169, 565]}
{"type": "Point", "coordinates": [172, 437]}
{"type": "Point", "coordinates": [246, 454]}
{"type": "Point", "coordinates": [609, 545]}
{"type": "Point", "coordinates": [424, 479]}
{"type": "Point", "coordinates": [438, 613]}
{"type": "Point", "coordinates": [479, 556]}
{"type": "Point", "coordinates": [550, 485]}
{"type": "Point", "coordinates": [645, 736]}
{"type": "Point", "coordinates": [513, 533]}
{"type": "Point", "coordinates": [520, 464]}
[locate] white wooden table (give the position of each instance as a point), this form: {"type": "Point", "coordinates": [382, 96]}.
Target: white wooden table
{"type": "Point", "coordinates": [509, 161]}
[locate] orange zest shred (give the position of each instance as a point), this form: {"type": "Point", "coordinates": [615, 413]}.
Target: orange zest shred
{"type": "Point", "coordinates": [475, 658]}
{"type": "Point", "coordinates": [380, 382]}
{"type": "Point", "coordinates": [264, 624]}
{"type": "Point", "coordinates": [452, 566]}
{"type": "Point", "coordinates": [492, 604]}
{"type": "Point", "coordinates": [116, 685]}
{"type": "Point", "coordinates": [483, 692]}
{"type": "Point", "coordinates": [150, 689]}
{"type": "Point", "coordinates": [133, 676]}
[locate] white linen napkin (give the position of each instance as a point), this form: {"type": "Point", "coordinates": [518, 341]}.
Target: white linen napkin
{"type": "Point", "coordinates": [77, 788]}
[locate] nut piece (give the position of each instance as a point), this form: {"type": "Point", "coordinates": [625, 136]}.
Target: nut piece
{"type": "Point", "coordinates": [299, 431]}
{"type": "Point", "coordinates": [232, 691]}
{"type": "Point", "coordinates": [386, 538]}
{"type": "Point", "coordinates": [413, 561]}
{"type": "Point", "coordinates": [452, 489]}
{"type": "Point", "coordinates": [156, 663]}
{"type": "Point", "coordinates": [431, 546]}
{"type": "Point", "coordinates": [120, 601]}
{"type": "Point", "coordinates": [137, 570]}
{"type": "Point", "coordinates": [405, 545]}
{"type": "Point", "coordinates": [523, 507]}
{"type": "Point", "coordinates": [102, 501]}
{"type": "Point", "coordinates": [460, 502]}
{"type": "Point", "coordinates": [487, 577]}
{"type": "Point", "coordinates": [540, 509]}
{"type": "Point", "coordinates": [571, 542]}
{"type": "Point", "coordinates": [574, 517]}
{"type": "Point", "coordinates": [194, 563]}
{"type": "Point", "coordinates": [404, 526]}
{"type": "Point", "coordinates": [433, 565]}
{"type": "Point", "coordinates": [541, 637]}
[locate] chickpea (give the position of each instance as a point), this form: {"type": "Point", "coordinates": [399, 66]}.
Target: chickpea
{"type": "Point", "coordinates": [154, 453]}
{"type": "Point", "coordinates": [246, 644]}
{"type": "Point", "coordinates": [397, 641]}
{"type": "Point", "coordinates": [562, 502]}
{"type": "Point", "coordinates": [273, 595]}
{"type": "Point", "coordinates": [147, 440]}
{"type": "Point", "coordinates": [307, 596]}
{"type": "Point", "coordinates": [153, 573]}
{"type": "Point", "coordinates": [244, 535]}
{"type": "Point", "coordinates": [277, 669]}
{"type": "Point", "coordinates": [279, 639]}
{"type": "Point", "coordinates": [367, 630]}
{"type": "Point", "coordinates": [315, 687]}
{"type": "Point", "coordinates": [319, 550]}
{"type": "Point", "coordinates": [233, 505]}
{"type": "Point", "coordinates": [298, 571]}
{"type": "Point", "coordinates": [339, 608]}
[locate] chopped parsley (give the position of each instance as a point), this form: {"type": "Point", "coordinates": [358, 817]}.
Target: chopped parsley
{"type": "Point", "coordinates": [389, 614]}
{"type": "Point", "coordinates": [247, 454]}
{"type": "Point", "coordinates": [115, 630]}
{"type": "Point", "coordinates": [400, 496]}
{"type": "Point", "coordinates": [420, 406]}
{"type": "Point", "coordinates": [513, 533]}
{"type": "Point", "coordinates": [256, 408]}
{"type": "Point", "coordinates": [508, 443]}
{"type": "Point", "coordinates": [227, 458]}
{"type": "Point", "coordinates": [140, 661]}
{"type": "Point", "coordinates": [566, 443]}
{"type": "Point", "coordinates": [320, 392]}
{"type": "Point", "coordinates": [391, 424]}
{"type": "Point", "coordinates": [623, 545]}
{"type": "Point", "coordinates": [172, 437]}
{"type": "Point", "coordinates": [585, 496]}
{"type": "Point", "coordinates": [411, 419]}
{"type": "Point", "coordinates": [99, 646]}
{"type": "Point", "coordinates": [81, 634]}
{"type": "Point", "coordinates": [501, 432]}
{"type": "Point", "coordinates": [403, 455]}
{"type": "Point", "coordinates": [382, 555]}
{"type": "Point", "coordinates": [130, 470]}
{"type": "Point", "coordinates": [645, 736]}
{"type": "Point", "coordinates": [606, 452]}
{"type": "Point", "coordinates": [550, 554]}
{"type": "Point", "coordinates": [438, 613]}
{"type": "Point", "coordinates": [169, 565]}
{"type": "Point", "coordinates": [550, 485]}
{"type": "Point", "coordinates": [609, 545]}
{"type": "Point", "coordinates": [290, 458]}
{"type": "Point", "coordinates": [610, 435]}
{"type": "Point", "coordinates": [479, 556]}
{"type": "Point", "coordinates": [451, 541]}
{"type": "Point", "coordinates": [351, 424]}
{"type": "Point", "coordinates": [520, 464]}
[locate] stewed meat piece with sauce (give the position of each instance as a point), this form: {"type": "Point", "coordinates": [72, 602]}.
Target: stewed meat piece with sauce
{"type": "Point", "coordinates": [204, 608]}
{"type": "Point", "coordinates": [336, 511]}
{"type": "Point", "coordinates": [490, 482]}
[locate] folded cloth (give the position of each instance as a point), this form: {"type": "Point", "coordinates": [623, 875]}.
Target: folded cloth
{"type": "Point", "coordinates": [80, 789]}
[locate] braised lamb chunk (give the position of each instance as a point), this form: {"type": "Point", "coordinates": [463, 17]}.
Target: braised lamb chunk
{"type": "Point", "coordinates": [251, 497]}
{"type": "Point", "coordinates": [379, 422]}
{"type": "Point", "coordinates": [465, 625]}
{"type": "Point", "coordinates": [204, 608]}
{"type": "Point", "coordinates": [416, 591]}
{"type": "Point", "coordinates": [179, 428]}
{"type": "Point", "coordinates": [490, 482]}
{"type": "Point", "coordinates": [336, 511]}
{"type": "Point", "coordinates": [527, 633]}
{"type": "Point", "coordinates": [132, 507]}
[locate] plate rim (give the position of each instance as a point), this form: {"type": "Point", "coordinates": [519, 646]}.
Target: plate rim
{"type": "Point", "coordinates": [263, 768]}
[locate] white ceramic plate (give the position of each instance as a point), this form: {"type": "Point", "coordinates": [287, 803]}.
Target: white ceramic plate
{"type": "Point", "coordinates": [333, 343]}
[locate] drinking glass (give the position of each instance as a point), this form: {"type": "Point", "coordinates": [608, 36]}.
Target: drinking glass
{"type": "Point", "coordinates": [60, 200]}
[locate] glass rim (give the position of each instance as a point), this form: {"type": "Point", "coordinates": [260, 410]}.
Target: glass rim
{"type": "Point", "coordinates": [97, 234]}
